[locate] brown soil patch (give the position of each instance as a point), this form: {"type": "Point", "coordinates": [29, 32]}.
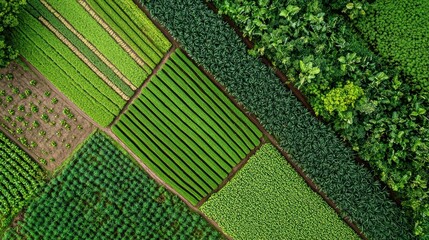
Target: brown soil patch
{"type": "Point", "coordinates": [39, 118]}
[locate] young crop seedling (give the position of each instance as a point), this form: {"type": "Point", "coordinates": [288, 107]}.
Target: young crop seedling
{"type": "Point", "coordinates": [36, 124]}
{"type": "Point", "coordinates": [15, 90]}
{"type": "Point", "coordinates": [9, 76]}
{"type": "Point", "coordinates": [34, 108]}
{"type": "Point", "coordinates": [27, 92]}
{"type": "Point", "coordinates": [33, 82]}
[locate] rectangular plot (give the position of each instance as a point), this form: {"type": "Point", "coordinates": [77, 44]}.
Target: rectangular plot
{"type": "Point", "coordinates": [202, 134]}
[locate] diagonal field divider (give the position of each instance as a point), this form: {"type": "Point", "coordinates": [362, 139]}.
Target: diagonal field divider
{"type": "Point", "coordinates": [89, 45]}
{"type": "Point", "coordinates": [83, 58]}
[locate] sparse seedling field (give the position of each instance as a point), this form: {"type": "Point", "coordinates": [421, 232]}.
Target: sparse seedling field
{"type": "Point", "coordinates": [40, 119]}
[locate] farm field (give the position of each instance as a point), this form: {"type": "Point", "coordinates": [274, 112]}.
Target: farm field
{"type": "Point", "coordinates": [233, 119]}
{"type": "Point", "coordinates": [20, 179]}
{"type": "Point", "coordinates": [105, 68]}
{"type": "Point", "coordinates": [103, 194]}
{"type": "Point", "coordinates": [267, 199]}
{"type": "Point", "coordinates": [186, 130]}
{"type": "Point", "coordinates": [40, 119]}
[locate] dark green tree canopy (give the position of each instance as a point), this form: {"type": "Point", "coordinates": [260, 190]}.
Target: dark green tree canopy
{"type": "Point", "coordinates": [9, 10]}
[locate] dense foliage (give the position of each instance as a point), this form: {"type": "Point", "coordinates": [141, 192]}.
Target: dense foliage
{"type": "Point", "coordinates": [399, 32]}
{"type": "Point", "coordinates": [103, 194]}
{"type": "Point", "coordinates": [20, 179]}
{"type": "Point", "coordinates": [380, 110]}
{"type": "Point", "coordinates": [186, 130]}
{"type": "Point", "coordinates": [9, 10]}
{"type": "Point", "coordinates": [267, 199]}
{"type": "Point", "coordinates": [311, 144]}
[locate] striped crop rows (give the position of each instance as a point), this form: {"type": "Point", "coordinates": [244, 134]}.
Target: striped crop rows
{"type": "Point", "coordinates": [20, 179]}
{"type": "Point", "coordinates": [186, 130]}
{"type": "Point", "coordinates": [84, 57]}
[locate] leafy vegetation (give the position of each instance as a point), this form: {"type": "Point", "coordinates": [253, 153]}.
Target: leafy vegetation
{"type": "Point", "coordinates": [20, 179]}
{"type": "Point", "coordinates": [135, 27]}
{"type": "Point", "coordinates": [8, 20]}
{"type": "Point", "coordinates": [311, 144]}
{"type": "Point", "coordinates": [101, 194]}
{"type": "Point", "coordinates": [383, 115]}
{"type": "Point", "coordinates": [267, 199]}
{"type": "Point", "coordinates": [186, 130]}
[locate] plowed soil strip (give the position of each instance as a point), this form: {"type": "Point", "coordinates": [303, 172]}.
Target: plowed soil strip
{"type": "Point", "coordinates": [83, 58]}
{"type": "Point", "coordinates": [112, 33]}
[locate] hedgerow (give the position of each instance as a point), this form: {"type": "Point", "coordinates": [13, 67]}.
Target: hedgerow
{"type": "Point", "coordinates": [383, 113]}
{"type": "Point", "coordinates": [267, 199]}
{"type": "Point", "coordinates": [312, 145]}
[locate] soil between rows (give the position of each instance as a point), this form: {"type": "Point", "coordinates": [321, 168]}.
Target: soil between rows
{"type": "Point", "coordinates": [40, 119]}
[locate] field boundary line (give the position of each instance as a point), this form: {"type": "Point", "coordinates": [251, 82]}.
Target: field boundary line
{"type": "Point", "coordinates": [83, 58]}
{"type": "Point", "coordinates": [254, 119]}
{"type": "Point", "coordinates": [89, 45]}
{"type": "Point", "coordinates": [288, 158]}
{"type": "Point", "coordinates": [137, 159]}
{"type": "Point", "coordinates": [112, 33]}
{"type": "Point", "coordinates": [145, 83]}
{"type": "Point", "coordinates": [233, 172]}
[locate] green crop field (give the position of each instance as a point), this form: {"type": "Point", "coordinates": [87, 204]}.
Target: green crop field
{"type": "Point", "coordinates": [103, 194]}
{"type": "Point", "coordinates": [267, 199]}
{"type": "Point", "coordinates": [214, 119]}
{"type": "Point", "coordinates": [20, 179]}
{"type": "Point", "coordinates": [90, 63]}
{"type": "Point", "coordinates": [186, 130]}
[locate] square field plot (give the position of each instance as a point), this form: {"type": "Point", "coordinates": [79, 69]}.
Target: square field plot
{"type": "Point", "coordinates": [186, 130]}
